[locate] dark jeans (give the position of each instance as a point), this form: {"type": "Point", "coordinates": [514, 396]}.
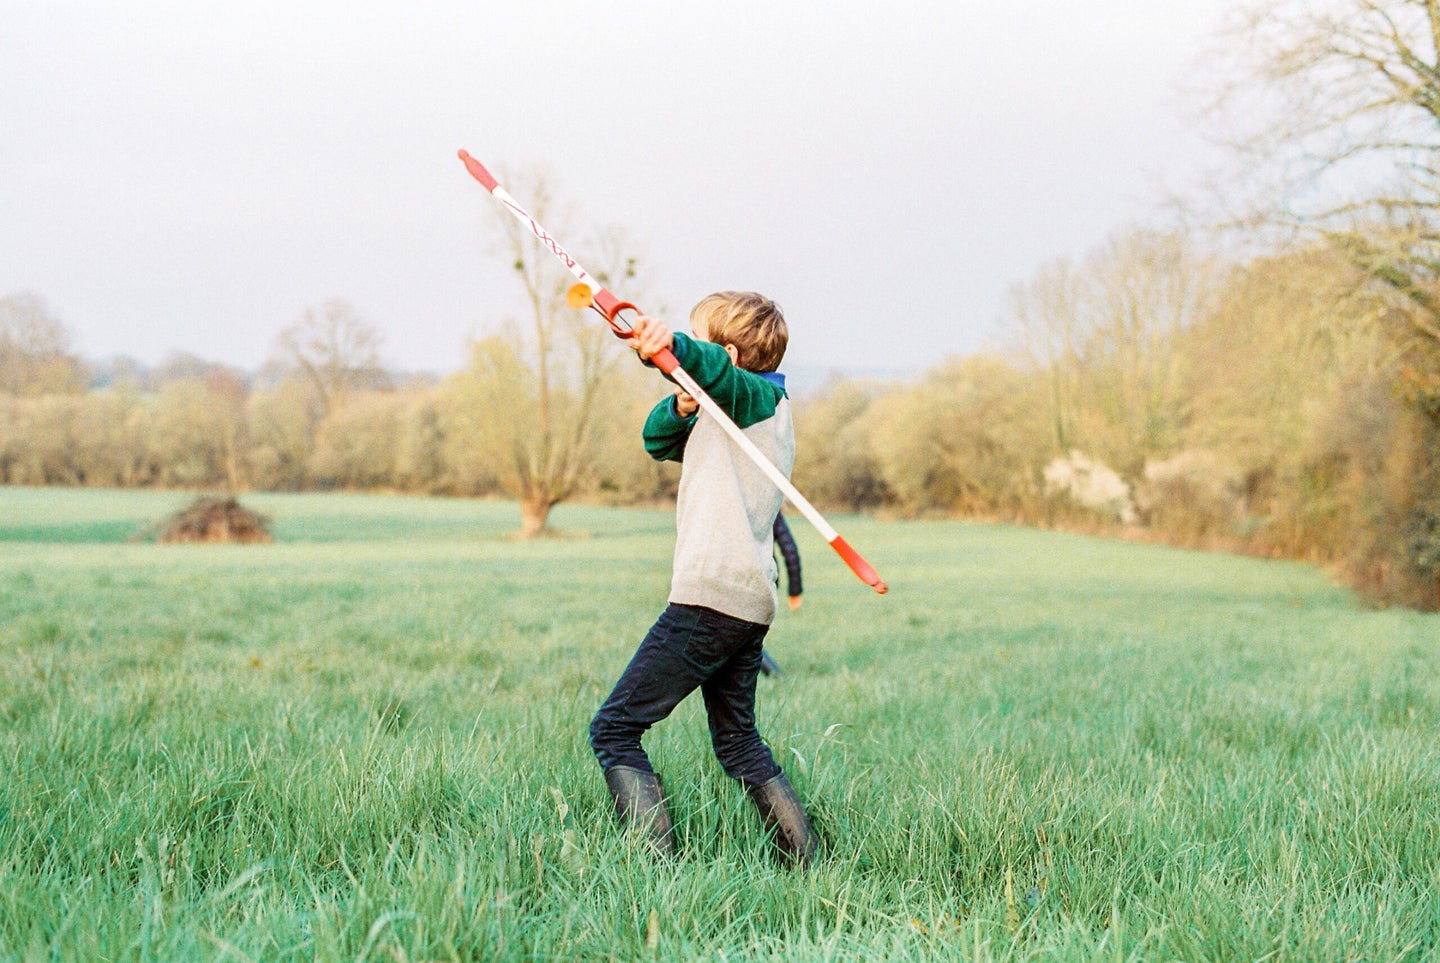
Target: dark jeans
{"type": "Point", "coordinates": [689, 647]}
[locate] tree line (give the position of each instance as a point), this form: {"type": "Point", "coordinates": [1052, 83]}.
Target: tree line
{"type": "Point", "coordinates": [1268, 381]}
{"type": "Point", "coordinates": [1277, 406]}
{"type": "Point", "coordinates": [1274, 406]}
{"type": "Point", "coordinates": [322, 414]}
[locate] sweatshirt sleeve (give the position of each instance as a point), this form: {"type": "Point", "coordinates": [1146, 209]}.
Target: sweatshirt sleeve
{"type": "Point", "coordinates": [790, 553]}
{"type": "Point", "coordinates": [666, 433]}
{"type": "Point", "coordinates": [745, 396]}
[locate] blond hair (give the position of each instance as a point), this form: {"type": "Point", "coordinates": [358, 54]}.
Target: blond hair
{"type": "Point", "coordinates": [751, 322]}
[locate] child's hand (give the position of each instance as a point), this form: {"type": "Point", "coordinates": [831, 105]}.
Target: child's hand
{"type": "Point", "coordinates": [649, 336]}
{"type": "Point", "coordinates": [795, 602]}
{"type": "Point", "coordinates": [685, 403]}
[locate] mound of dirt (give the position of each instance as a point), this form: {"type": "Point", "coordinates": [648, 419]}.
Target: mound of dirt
{"type": "Point", "coordinates": [215, 519]}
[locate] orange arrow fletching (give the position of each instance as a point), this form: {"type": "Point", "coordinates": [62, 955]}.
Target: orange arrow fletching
{"type": "Point", "coordinates": [579, 296]}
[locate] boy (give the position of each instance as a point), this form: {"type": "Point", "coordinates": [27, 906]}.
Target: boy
{"type": "Point", "coordinates": [722, 594]}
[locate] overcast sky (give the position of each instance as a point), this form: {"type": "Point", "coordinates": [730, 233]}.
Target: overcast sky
{"type": "Point", "coordinates": [192, 176]}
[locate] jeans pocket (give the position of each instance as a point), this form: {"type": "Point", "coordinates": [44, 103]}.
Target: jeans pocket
{"type": "Point", "coordinates": [715, 637]}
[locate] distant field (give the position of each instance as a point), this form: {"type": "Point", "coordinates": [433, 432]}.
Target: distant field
{"type": "Point", "coordinates": [367, 741]}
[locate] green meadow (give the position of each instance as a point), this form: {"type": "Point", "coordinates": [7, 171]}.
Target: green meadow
{"type": "Point", "coordinates": [367, 741]}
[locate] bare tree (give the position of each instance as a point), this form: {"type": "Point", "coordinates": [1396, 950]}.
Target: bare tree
{"type": "Point", "coordinates": [1046, 319]}
{"type": "Point", "coordinates": [34, 345]}
{"type": "Point", "coordinates": [557, 370]}
{"type": "Point", "coordinates": [1335, 118]}
{"type": "Point", "coordinates": [334, 351]}
{"type": "Point", "coordinates": [1103, 335]}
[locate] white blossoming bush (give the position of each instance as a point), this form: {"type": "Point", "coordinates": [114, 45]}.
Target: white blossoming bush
{"type": "Point", "coordinates": [1091, 484]}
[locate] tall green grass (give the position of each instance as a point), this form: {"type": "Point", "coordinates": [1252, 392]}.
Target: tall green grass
{"type": "Point", "coordinates": [367, 741]}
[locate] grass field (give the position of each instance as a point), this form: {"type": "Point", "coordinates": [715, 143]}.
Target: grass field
{"type": "Point", "coordinates": [367, 742]}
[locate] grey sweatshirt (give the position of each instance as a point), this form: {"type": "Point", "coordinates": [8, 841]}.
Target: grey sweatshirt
{"type": "Point", "coordinates": [724, 517]}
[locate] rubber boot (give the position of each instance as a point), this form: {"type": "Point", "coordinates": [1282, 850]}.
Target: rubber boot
{"type": "Point", "coordinates": [781, 811]}
{"type": "Point", "coordinates": [640, 804]}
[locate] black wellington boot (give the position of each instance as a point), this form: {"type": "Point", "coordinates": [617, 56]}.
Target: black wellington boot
{"type": "Point", "coordinates": [780, 810]}
{"type": "Point", "coordinates": [640, 804]}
